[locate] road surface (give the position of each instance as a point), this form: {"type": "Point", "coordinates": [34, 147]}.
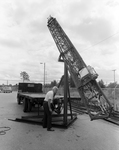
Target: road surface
{"type": "Point", "coordinates": [83, 134]}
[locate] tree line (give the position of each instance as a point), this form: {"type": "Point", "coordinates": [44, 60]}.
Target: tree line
{"type": "Point", "coordinates": [25, 77]}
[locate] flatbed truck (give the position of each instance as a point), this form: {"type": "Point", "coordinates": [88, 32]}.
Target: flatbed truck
{"type": "Point", "coordinates": [31, 94]}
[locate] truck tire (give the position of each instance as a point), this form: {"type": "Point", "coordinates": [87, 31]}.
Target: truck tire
{"type": "Point", "coordinates": [25, 105]}
{"type": "Point", "coordinates": [18, 101]}
{"type": "Point", "coordinates": [29, 106]}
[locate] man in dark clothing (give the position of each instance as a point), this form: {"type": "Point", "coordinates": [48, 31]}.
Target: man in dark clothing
{"type": "Point", "coordinates": [47, 119]}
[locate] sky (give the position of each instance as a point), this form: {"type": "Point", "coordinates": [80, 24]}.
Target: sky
{"type": "Point", "coordinates": [27, 45]}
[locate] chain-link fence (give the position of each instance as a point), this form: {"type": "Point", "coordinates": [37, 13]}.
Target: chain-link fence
{"type": "Point", "coordinates": [113, 96]}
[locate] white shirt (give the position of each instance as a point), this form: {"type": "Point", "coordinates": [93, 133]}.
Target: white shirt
{"type": "Point", "coordinates": [49, 95]}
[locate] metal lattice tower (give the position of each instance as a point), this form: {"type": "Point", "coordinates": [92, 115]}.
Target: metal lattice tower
{"type": "Point", "coordinates": [83, 76]}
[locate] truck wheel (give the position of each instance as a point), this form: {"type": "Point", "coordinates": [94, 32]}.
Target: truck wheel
{"type": "Point", "coordinates": [18, 101]}
{"type": "Point", "coordinates": [29, 106]}
{"type": "Point", "coordinates": [25, 105]}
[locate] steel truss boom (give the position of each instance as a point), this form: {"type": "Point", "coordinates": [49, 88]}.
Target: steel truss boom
{"type": "Point", "coordinates": [84, 77]}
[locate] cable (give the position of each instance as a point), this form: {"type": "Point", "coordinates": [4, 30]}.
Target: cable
{"type": "Point", "coordinates": [102, 40]}
{"type": "Point", "coordinates": [3, 132]}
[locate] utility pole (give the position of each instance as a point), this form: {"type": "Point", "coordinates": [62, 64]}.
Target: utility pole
{"type": "Point", "coordinates": [44, 76]}
{"type": "Point", "coordinates": [114, 74]}
{"type": "Point", "coordinates": [7, 82]}
{"type": "Point", "coordinates": [114, 90]}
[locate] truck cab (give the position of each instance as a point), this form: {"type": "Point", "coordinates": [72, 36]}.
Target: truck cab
{"type": "Point", "coordinates": [28, 88]}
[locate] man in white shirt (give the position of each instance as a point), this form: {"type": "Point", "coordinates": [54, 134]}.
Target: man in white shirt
{"type": "Point", "coordinates": [47, 119]}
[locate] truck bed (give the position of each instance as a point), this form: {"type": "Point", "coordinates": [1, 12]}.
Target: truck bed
{"type": "Point", "coordinates": [37, 95]}
{"type": "Point", "coordinates": [30, 99]}
{"type": "Point", "coordinates": [33, 95]}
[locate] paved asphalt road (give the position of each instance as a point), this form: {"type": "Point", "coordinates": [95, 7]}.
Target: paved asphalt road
{"type": "Point", "coordinates": [83, 134]}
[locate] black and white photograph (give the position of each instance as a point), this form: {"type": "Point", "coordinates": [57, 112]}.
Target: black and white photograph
{"type": "Point", "coordinates": [59, 75]}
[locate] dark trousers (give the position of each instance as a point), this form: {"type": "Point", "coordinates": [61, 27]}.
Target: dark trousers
{"type": "Point", "coordinates": [47, 118]}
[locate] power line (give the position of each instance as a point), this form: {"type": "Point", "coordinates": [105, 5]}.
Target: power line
{"type": "Point", "coordinates": [102, 40]}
